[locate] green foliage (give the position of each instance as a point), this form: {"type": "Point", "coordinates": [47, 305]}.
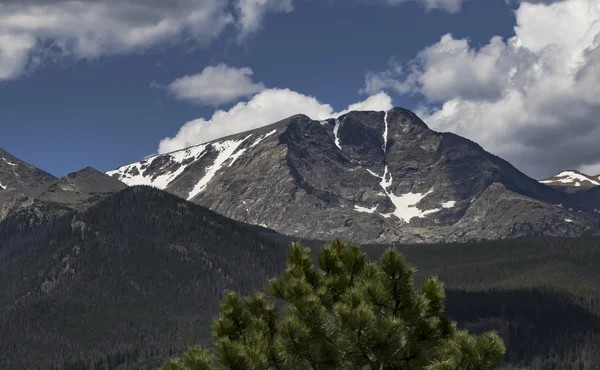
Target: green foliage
{"type": "Point", "coordinates": [349, 313]}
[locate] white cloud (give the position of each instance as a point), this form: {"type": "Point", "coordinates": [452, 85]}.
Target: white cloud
{"type": "Point", "coordinates": [87, 29]}
{"type": "Point", "coordinates": [252, 12]}
{"type": "Point", "coordinates": [216, 85]}
{"type": "Point", "coordinates": [14, 52]}
{"type": "Point", "coordinates": [533, 99]}
{"type": "Point", "coordinates": [267, 107]}
{"type": "Point", "coordinates": [452, 6]}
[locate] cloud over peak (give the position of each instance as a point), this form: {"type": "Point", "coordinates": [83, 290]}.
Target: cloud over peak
{"type": "Point", "coordinates": [266, 107]}
{"type": "Point", "coordinates": [533, 98]}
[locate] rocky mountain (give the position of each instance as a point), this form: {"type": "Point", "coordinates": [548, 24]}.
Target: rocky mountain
{"type": "Point", "coordinates": [19, 176]}
{"type": "Point", "coordinates": [376, 177]}
{"type": "Point", "coordinates": [18, 182]}
{"type": "Point", "coordinates": [34, 191]}
{"type": "Point", "coordinates": [572, 181]}
{"type": "Point", "coordinates": [79, 190]}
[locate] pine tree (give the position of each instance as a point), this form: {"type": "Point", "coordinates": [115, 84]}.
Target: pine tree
{"type": "Point", "coordinates": [349, 313]}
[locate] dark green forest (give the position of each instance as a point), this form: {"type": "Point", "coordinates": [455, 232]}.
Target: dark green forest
{"type": "Point", "coordinates": [138, 278]}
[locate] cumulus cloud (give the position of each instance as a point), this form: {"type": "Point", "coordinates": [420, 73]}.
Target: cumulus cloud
{"type": "Point", "coordinates": [267, 107]}
{"type": "Point", "coordinates": [533, 99]}
{"type": "Point", "coordinates": [252, 12]}
{"type": "Point", "coordinates": [216, 85]}
{"type": "Point", "coordinates": [87, 29]}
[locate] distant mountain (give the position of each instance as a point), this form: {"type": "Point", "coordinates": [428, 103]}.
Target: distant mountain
{"type": "Point", "coordinates": [131, 279]}
{"type": "Point", "coordinates": [19, 176]}
{"type": "Point", "coordinates": [18, 182]}
{"type": "Point", "coordinates": [34, 191]}
{"type": "Point", "coordinates": [375, 177]}
{"type": "Point", "coordinates": [572, 181]}
{"type": "Point", "coordinates": [78, 190]}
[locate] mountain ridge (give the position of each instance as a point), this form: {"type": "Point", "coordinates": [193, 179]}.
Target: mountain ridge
{"type": "Point", "coordinates": [297, 175]}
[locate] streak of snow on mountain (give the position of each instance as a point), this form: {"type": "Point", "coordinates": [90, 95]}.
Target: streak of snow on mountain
{"type": "Point", "coordinates": [226, 150]}
{"type": "Point", "coordinates": [257, 141]}
{"type": "Point", "coordinates": [336, 130]}
{"type": "Point", "coordinates": [133, 174]}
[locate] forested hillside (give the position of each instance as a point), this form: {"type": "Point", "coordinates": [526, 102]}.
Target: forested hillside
{"type": "Point", "coordinates": [134, 278]}
{"type": "Point", "coordinates": [138, 277]}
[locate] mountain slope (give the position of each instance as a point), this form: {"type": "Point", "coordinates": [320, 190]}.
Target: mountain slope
{"type": "Point", "coordinates": [19, 176]}
{"type": "Point", "coordinates": [122, 280]}
{"type": "Point", "coordinates": [52, 197]}
{"type": "Point", "coordinates": [80, 189]}
{"type": "Point", "coordinates": [367, 176]}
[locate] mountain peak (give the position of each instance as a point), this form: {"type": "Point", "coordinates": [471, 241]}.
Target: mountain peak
{"type": "Point", "coordinates": [19, 176]}
{"type": "Point", "coordinates": [572, 179]}
{"type": "Point", "coordinates": [369, 176]}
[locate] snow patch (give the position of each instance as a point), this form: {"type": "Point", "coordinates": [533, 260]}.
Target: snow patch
{"type": "Point", "coordinates": [336, 129]}
{"type": "Point", "coordinates": [568, 220]}
{"type": "Point", "coordinates": [365, 209]}
{"type": "Point", "coordinates": [226, 150]}
{"type": "Point", "coordinates": [2, 186]}
{"type": "Point", "coordinates": [7, 162]}
{"type": "Point", "coordinates": [405, 204]}
{"type": "Point", "coordinates": [406, 208]}
{"type": "Point", "coordinates": [449, 204]}
{"type": "Point", "coordinates": [257, 141]}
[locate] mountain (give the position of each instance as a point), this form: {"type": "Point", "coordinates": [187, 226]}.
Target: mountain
{"type": "Point", "coordinates": [19, 176]}
{"type": "Point", "coordinates": [35, 192]}
{"type": "Point", "coordinates": [572, 181]}
{"type": "Point", "coordinates": [18, 181]}
{"type": "Point", "coordinates": [78, 190]}
{"type": "Point", "coordinates": [135, 277]}
{"type": "Point", "coordinates": [373, 177]}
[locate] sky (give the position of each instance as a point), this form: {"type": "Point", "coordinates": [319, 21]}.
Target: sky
{"type": "Point", "coordinates": [105, 83]}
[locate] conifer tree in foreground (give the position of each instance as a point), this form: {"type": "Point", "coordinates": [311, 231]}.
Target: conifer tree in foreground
{"type": "Point", "coordinates": [349, 313]}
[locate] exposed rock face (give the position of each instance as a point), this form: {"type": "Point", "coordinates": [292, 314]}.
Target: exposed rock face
{"type": "Point", "coordinates": [79, 190]}
{"type": "Point", "coordinates": [19, 176]}
{"type": "Point", "coordinates": [366, 176]}
{"type": "Point", "coordinates": [35, 192]}
{"type": "Point", "coordinates": [19, 181]}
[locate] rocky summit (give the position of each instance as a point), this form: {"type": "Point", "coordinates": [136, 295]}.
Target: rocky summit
{"type": "Point", "coordinates": [371, 177]}
{"type": "Point", "coordinates": [18, 182]}
{"type": "Point", "coordinates": [31, 191]}
{"type": "Point", "coordinates": [572, 181]}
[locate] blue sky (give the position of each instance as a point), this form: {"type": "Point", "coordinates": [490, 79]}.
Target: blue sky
{"type": "Point", "coordinates": [68, 103]}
